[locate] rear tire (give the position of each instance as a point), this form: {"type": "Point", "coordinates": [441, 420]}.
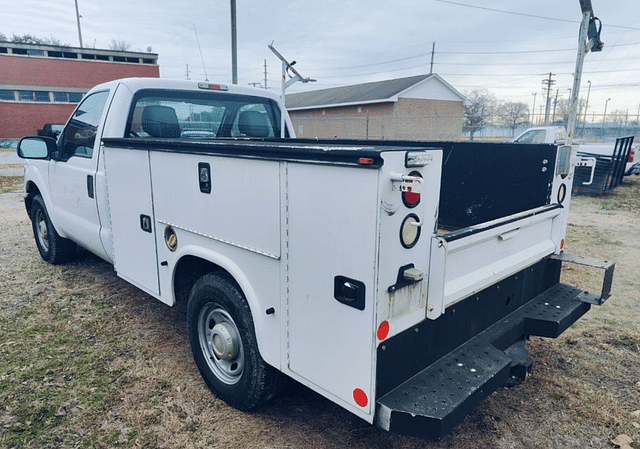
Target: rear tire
{"type": "Point", "coordinates": [224, 344]}
{"type": "Point", "coordinates": [53, 248]}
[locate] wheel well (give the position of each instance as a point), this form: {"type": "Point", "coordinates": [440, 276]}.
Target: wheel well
{"type": "Point", "coordinates": [32, 191]}
{"type": "Point", "coordinates": [189, 270]}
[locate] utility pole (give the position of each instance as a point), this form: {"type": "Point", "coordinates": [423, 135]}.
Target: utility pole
{"type": "Point", "coordinates": [265, 74]}
{"type": "Point", "coordinates": [78, 19]}
{"type": "Point", "coordinates": [234, 44]}
{"type": "Point", "coordinates": [586, 106]}
{"type": "Point", "coordinates": [433, 51]}
{"type": "Point", "coordinates": [533, 109]}
{"type": "Point", "coordinates": [549, 82]}
{"type": "Point", "coordinates": [588, 40]}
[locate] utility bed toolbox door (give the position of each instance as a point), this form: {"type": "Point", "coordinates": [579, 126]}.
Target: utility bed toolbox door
{"type": "Point", "coordinates": [132, 220]}
{"type": "Point", "coordinates": [332, 238]}
{"type": "Point", "coordinates": [468, 260]}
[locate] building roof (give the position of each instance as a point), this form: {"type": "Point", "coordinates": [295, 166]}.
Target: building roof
{"type": "Point", "coordinates": [82, 53]}
{"type": "Point", "coordinates": [374, 92]}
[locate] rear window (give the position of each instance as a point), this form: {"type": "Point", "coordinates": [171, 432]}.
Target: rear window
{"type": "Point", "coordinates": [202, 115]}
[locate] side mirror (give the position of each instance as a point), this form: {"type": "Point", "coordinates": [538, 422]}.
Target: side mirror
{"type": "Point", "coordinates": [36, 147]}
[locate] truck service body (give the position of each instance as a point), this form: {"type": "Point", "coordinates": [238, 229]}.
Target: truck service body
{"type": "Point", "coordinates": [398, 279]}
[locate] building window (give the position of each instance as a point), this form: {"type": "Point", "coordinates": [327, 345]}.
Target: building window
{"type": "Point", "coordinates": [61, 97]}
{"type": "Point", "coordinates": [42, 96]}
{"type": "Point", "coordinates": [75, 97]}
{"type": "Point", "coordinates": [7, 95]}
{"type": "Point", "coordinates": [35, 52]}
{"type": "Point", "coordinates": [26, 95]}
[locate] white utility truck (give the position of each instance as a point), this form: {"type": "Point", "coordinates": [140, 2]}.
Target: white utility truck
{"type": "Point", "coordinates": [398, 279]}
{"type": "Point", "coordinates": [557, 135]}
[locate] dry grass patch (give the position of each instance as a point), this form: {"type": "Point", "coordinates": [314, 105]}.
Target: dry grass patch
{"type": "Point", "coordinates": [10, 184]}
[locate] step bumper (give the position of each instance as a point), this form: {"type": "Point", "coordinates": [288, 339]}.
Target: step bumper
{"type": "Point", "coordinates": [436, 399]}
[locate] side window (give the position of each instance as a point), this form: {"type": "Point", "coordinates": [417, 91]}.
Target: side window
{"type": "Point", "coordinates": [80, 133]}
{"type": "Point", "coordinates": [535, 136]}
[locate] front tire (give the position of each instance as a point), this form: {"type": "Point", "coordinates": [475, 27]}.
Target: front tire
{"type": "Point", "coordinates": [224, 344]}
{"type": "Point", "coordinates": [53, 248]}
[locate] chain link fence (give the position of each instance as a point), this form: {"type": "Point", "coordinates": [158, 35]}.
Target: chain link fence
{"type": "Point", "coordinates": [437, 127]}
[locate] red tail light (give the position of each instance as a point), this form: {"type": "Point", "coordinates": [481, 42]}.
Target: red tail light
{"type": "Point", "coordinates": [411, 199]}
{"type": "Point", "coordinates": [632, 153]}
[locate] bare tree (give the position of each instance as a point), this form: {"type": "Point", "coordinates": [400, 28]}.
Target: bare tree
{"type": "Point", "coordinates": [513, 114]}
{"type": "Point", "coordinates": [119, 45]}
{"type": "Point", "coordinates": [563, 111]}
{"type": "Point", "coordinates": [618, 116]}
{"type": "Point", "coordinates": [32, 39]}
{"type": "Point", "coordinates": [479, 112]}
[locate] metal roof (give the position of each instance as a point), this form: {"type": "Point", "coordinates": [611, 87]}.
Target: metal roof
{"type": "Point", "coordinates": [374, 92]}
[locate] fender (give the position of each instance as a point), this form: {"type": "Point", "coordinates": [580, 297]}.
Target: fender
{"type": "Point", "coordinates": [264, 324]}
{"type": "Point", "coordinates": [33, 177]}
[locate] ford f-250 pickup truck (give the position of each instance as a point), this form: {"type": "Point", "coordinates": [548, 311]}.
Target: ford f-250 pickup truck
{"type": "Point", "coordinates": [398, 279]}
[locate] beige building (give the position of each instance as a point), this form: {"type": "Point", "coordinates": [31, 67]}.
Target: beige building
{"type": "Point", "coordinates": [414, 108]}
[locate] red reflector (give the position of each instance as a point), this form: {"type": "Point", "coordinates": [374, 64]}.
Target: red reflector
{"type": "Point", "coordinates": [383, 330]}
{"type": "Point", "coordinates": [360, 397]}
{"type": "Point", "coordinates": [365, 161]}
{"type": "Point", "coordinates": [632, 153]}
{"type": "Point", "coordinates": [561, 243]}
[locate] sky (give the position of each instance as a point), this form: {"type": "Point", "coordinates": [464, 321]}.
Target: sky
{"type": "Point", "coordinates": [505, 47]}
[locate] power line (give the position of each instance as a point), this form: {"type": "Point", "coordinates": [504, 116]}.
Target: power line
{"type": "Point", "coordinates": [535, 16]}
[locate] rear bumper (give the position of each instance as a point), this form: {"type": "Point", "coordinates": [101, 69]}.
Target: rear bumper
{"type": "Point", "coordinates": [429, 377]}
{"type": "Point", "coordinates": [437, 398]}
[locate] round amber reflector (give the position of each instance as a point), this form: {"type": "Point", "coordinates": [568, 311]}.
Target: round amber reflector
{"type": "Point", "coordinates": [562, 193]}
{"type": "Point", "coordinates": [410, 231]}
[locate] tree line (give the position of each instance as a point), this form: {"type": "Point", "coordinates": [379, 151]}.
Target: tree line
{"type": "Point", "coordinates": [116, 44]}
{"type": "Point", "coordinates": [483, 109]}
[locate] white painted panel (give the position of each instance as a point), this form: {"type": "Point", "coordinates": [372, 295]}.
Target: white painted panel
{"type": "Point", "coordinates": [129, 190]}
{"type": "Point", "coordinates": [243, 208]}
{"type": "Point", "coordinates": [431, 89]}
{"type": "Point", "coordinates": [332, 229]}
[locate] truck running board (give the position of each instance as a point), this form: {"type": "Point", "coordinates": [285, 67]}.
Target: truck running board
{"type": "Point", "coordinates": [436, 399]}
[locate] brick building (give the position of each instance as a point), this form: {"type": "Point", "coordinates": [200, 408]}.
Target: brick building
{"type": "Point", "coordinates": [412, 108]}
{"type": "Point", "coordinates": [43, 83]}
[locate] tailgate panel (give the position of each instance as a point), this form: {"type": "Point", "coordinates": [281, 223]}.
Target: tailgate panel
{"type": "Point", "coordinates": [465, 262]}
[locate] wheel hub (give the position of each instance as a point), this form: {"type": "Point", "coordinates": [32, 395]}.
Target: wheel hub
{"type": "Point", "coordinates": [224, 341]}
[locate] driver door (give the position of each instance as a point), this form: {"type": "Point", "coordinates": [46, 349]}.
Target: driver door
{"type": "Point", "coordinates": [72, 174]}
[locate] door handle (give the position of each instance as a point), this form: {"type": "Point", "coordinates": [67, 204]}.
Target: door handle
{"type": "Point", "coordinates": [90, 191]}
